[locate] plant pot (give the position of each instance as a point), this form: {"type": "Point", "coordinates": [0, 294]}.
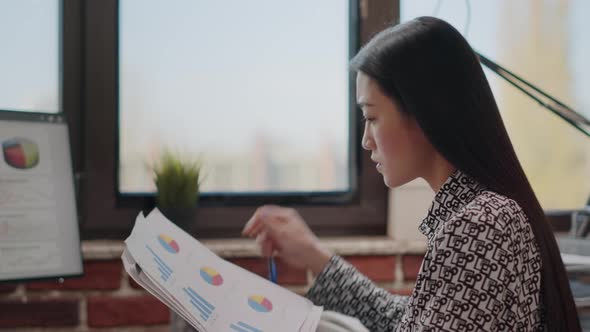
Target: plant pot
{"type": "Point", "coordinates": [182, 217]}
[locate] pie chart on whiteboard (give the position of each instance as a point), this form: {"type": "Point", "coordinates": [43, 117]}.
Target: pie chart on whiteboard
{"type": "Point", "coordinates": [21, 153]}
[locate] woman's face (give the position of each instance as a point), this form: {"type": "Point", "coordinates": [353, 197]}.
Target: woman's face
{"type": "Point", "coordinates": [397, 144]}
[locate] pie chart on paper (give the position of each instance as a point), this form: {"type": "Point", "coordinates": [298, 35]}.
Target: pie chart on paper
{"type": "Point", "coordinates": [260, 303]}
{"type": "Point", "coordinates": [168, 243]}
{"type": "Point", "coordinates": [211, 276]}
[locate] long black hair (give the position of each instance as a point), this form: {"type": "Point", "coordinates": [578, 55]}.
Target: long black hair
{"type": "Point", "coordinates": [432, 72]}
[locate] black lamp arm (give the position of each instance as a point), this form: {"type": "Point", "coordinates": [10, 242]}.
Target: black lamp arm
{"type": "Point", "coordinates": [565, 112]}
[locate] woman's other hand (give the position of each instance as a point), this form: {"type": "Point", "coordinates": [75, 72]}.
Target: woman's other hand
{"type": "Point", "coordinates": [282, 231]}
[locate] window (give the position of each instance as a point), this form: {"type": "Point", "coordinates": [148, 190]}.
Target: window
{"type": "Point", "coordinates": [31, 63]}
{"type": "Point", "coordinates": [545, 43]}
{"type": "Point", "coordinates": [126, 93]}
{"type": "Point", "coordinates": [262, 98]}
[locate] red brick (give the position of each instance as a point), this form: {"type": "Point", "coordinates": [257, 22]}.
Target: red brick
{"type": "Point", "coordinates": [287, 275]}
{"type": "Point", "coordinates": [126, 311]}
{"type": "Point", "coordinates": [7, 288]}
{"type": "Point", "coordinates": [411, 266]}
{"type": "Point", "coordinates": [401, 291]}
{"type": "Point", "coordinates": [101, 275]}
{"type": "Point", "coordinates": [255, 265]}
{"type": "Point", "coordinates": [39, 313]}
{"type": "Point", "coordinates": [377, 268]}
{"type": "Point", "coordinates": [134, 284]}
{"type": "Point", "coordinates": [152, 328]}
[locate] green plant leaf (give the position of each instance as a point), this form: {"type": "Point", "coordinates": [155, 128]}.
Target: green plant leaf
{"type": "Point", "coordinates": [177, 181]}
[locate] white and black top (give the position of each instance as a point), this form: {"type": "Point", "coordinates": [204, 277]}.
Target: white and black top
{"type": "Point", "coordinates": [481, 271]}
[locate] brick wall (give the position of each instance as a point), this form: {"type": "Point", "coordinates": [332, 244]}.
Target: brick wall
{"type": "Point", "coordinates": [105, 299]}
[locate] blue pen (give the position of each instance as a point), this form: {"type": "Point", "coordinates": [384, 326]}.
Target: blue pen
{"type": "Point", "coordinates": [272, 269]}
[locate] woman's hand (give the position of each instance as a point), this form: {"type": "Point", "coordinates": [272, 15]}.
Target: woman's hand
{"type": "Point", "coordinates": [282, 231]}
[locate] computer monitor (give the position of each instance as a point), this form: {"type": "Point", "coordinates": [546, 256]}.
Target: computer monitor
{"type": "Point", "coordinates": [39, 234]}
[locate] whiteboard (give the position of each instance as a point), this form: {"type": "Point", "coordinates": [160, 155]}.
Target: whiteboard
{"type": "Point", "coordinates": [39, 234]}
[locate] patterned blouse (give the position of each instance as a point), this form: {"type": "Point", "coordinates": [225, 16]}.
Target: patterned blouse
{"type": "Point", "coordinates": [481, 271]}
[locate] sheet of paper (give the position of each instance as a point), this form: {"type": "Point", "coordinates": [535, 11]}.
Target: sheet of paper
{"type": "Point", "coordinates": [215, 294]}
{"type": "Point", "coordinates": [136, 273]}
{"type": "Point", "coordinates": [143, 280]}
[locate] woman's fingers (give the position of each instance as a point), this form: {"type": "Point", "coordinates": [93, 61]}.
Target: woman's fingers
{"type": "Point", "coordinates": [256, 223]}
{"type": "Point", "coordinates": [282, 232]}
{"type": "Point", "coordinates": [260, 220]}
{"type": "Point", "coordinates": [253, 226]}
{"type": "Point", "coordinates": [266, 244]}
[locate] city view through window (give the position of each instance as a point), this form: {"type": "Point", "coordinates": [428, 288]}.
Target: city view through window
{"type": "Point", "coordinates": [545, 42]}
{"type": "Point", "coordinates": [258, 90]}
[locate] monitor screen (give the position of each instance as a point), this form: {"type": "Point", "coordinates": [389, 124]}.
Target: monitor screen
{"type": "Point", "coordinates": [39, 235]}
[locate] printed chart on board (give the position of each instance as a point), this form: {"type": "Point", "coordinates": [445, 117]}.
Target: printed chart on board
{"type": "Point", "coordinates": [207, 291]}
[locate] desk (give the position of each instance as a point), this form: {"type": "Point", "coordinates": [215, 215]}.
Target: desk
{"type": "Point", "coordinates": [576, 256]}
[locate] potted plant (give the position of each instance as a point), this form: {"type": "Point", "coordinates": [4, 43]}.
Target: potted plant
{"type": "Point", "coordinates": [177, 183]}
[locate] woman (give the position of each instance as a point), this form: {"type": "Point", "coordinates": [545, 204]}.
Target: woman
{"type": "Point", "coordinates": [492, 262]}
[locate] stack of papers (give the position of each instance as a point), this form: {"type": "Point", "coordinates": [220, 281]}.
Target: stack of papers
{"type": "Point", "coordinates": [210, 293]}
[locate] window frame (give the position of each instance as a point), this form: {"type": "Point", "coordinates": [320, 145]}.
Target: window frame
{"type": "Point", "coordinates": [142, 200]}
{"type": "Point", "coordinates": [72, 80]}
{"type": "Point", "coordinates": [105, 215]}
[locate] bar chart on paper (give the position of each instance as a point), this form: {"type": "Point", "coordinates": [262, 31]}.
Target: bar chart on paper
{"type": "Point", "coordinates": [243, 327]}
{"type": "Point", "coordinates": [203, 306]}
{"type": "Point", "coordinates": [164, 269]}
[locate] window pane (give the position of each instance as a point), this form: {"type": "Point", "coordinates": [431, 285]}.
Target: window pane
{"type": "Point", "coordinates": [30, 47]}
{"type": "Point", "coordinates": [546, 43]}
{"type": "Point", "coordinates": [258, 89]}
